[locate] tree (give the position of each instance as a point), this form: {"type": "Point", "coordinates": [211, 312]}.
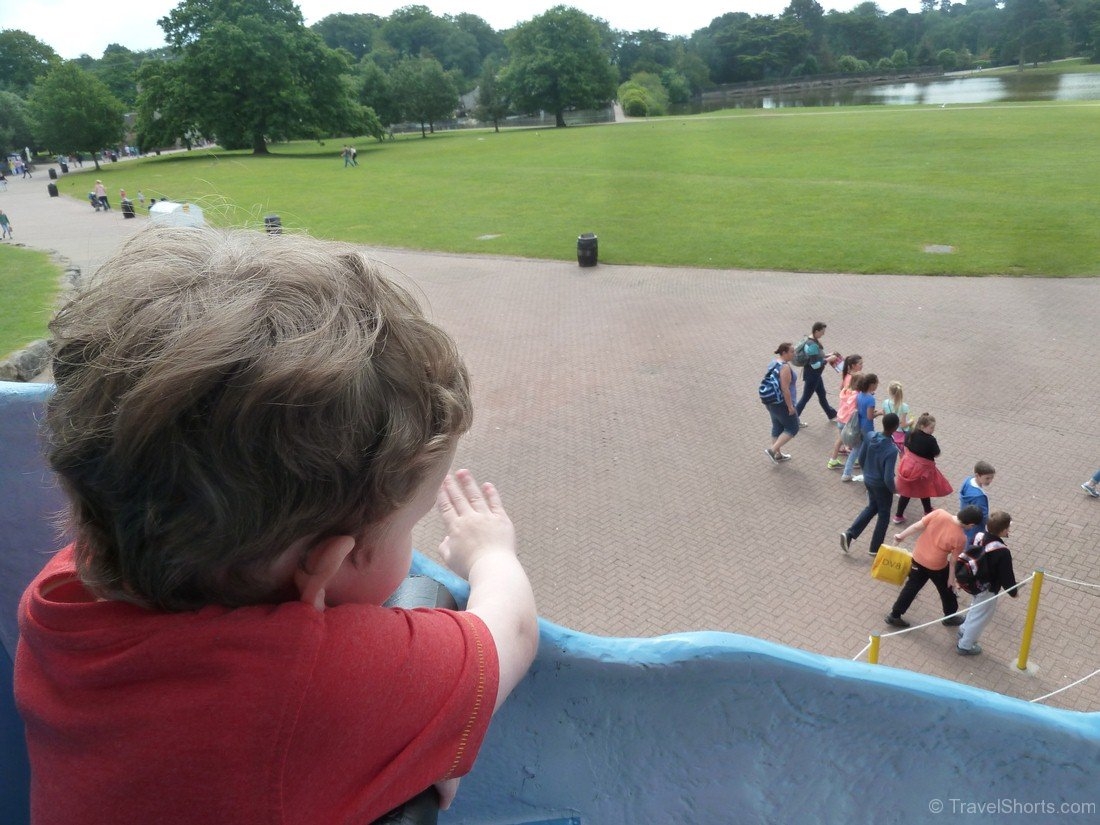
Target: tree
{"type": "Point", "coordinates": [425, 92]}
{"type": "Point", "coordinates": [74, 111]}
{"type": "Point", "coordinates": [15, 124]}
{"type": "Point", "coordinates": [355, 33]}
{"type": "Point", "coordinates": [251, 72]}
{"type": "Point", "coordinates": [376, 91]}
{"type": "Point", "coordinates": [559, 62]}
{"type": "Point", "coordinates": [118, 70]}
{"type": "Point", "coordinates": [23, 60]}
{"type": "Point", "coordinates": [491, 102]}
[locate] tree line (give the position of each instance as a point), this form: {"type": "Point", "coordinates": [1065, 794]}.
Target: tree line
{"type": "Point", "coordinates": [249, 72]}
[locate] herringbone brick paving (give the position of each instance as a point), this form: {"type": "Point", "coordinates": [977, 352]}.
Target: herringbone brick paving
{"type": "Point", "coordinates": [616, 411]}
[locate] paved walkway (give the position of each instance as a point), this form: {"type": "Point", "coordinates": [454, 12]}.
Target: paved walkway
{"type": "Point", "coordinates": [616, 411]}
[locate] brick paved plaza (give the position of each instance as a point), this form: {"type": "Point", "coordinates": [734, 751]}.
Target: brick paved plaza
{"type": "Point", "coordinates": [616, 411]}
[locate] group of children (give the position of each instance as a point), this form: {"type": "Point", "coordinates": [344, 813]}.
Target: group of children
{"type": "Point", "coordinates": [902, 460]}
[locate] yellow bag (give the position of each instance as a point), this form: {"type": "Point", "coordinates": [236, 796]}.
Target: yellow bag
{"type": "Point", "coordinates": [891, 564]}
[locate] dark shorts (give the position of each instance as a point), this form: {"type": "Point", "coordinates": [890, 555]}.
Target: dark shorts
{"type": "Point", "coordinates": [783, 421]}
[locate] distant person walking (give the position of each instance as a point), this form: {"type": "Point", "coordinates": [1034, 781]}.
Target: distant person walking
{"type": "Point", "coordinates": [942, 537]}
{"type": "Point", "coordinates": [5, 226]}
{"type": "Point", "coordinates": [781, 401]}
{"type": "Point", "coordinates": [812, 381]}
{"type": "Point", "coordinates": [918, 475]}
{"type": "Point", "coordinates": [101, 195]}
{"type": "Point", "coordinates": [877, 456]}
{"type": "Point", "coordinates": [994, 575]}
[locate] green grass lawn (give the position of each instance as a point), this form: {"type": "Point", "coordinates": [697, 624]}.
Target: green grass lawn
{"type": "Point", "coordinates": [29, 282]}
{"type": "Point", "coordinates": [861, 189]}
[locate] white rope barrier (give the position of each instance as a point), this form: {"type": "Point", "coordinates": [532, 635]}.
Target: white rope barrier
{"type": "Point", "coordinates": [1067, 687]}
{"type": "Point", "coordinates": [997, 596]}
{"type": "Point", "coordinates": [1071, 581]}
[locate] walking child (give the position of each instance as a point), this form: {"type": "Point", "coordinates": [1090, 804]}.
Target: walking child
{"type": "Point", "coordinates": [895, 403]}
{"type": "Point", "coordinates": [866, 412]}
{"type": "Point", "coordinates": [975, 490]}
{"type": "Point", "coordinates": [853, 364]}
{"type": "Point", "coordinates": [5, 226]}
{"type": "Point", "coordinates": [994, 575]}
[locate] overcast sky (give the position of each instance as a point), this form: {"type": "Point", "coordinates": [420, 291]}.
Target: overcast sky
{"type": "Point", "coordinates": [75, 27]}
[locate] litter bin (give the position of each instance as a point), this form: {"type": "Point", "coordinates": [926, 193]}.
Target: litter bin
{"type": "Point", "coordinates": [52, 189]}
{"type": "Point", "coordinates": [53, 173]}
{"type": "Point", "coordinates": [127, 208]}
{"type": "Point", "coordinates": [588, 249]}
{"type": "Point", "coordinates": [64, 167]}
{"type": "Point", "coordinates": [273, 225]}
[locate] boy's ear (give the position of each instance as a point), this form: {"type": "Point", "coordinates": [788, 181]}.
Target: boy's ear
{"type": "Point", "coordinates": [322, 563]}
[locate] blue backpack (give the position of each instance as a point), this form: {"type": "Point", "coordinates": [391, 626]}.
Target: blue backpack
{"type": "Point", "coordinates": [770, 392]}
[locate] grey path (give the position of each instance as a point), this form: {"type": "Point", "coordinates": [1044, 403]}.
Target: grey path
{"type": "Point", "coordinates": [616, 412]}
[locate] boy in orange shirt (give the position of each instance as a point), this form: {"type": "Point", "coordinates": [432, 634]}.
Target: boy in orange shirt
{"type": "Point", "coordinates": [942, 537]}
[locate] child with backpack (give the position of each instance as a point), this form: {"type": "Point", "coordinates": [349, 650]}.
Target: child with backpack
{"type": "Point", "coordinates": [990, 573]}
{"type": "Point", "coordinates": [866, 414]}
{"type": "Point", "coordinates": [853, 365]}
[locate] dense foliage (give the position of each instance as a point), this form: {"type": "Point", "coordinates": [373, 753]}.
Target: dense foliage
{"type": "Point", "coordinates": [245, 72]}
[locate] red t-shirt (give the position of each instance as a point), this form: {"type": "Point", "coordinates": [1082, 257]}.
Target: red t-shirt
{"type": "Point", "coordinates": [262, 714]}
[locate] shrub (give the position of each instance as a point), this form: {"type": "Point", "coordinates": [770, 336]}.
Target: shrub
{"type": "Point", "coordinates": [677, 86]}
{"type": "Point", "coordinates": [899, 58]}
{"type": "Point", "coordinates": [849, 65]}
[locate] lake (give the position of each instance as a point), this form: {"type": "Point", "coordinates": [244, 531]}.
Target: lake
{"type": "Point", "coordinates": [971, 88]}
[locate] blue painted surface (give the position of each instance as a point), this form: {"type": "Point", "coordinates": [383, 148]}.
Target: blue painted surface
{"type": "Point", "coordinates": [690, 728]}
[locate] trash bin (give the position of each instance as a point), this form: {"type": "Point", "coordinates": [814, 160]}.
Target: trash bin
{"type": "Point", "coordinates": [588, 249]}
{"type": "Point", "coordinates": [64, 168]}
{"type": "Point", "coordinates": [53, 173]}
{"type": "Point", "coordinates": [273, 224]}
{"type": "Point", "coordinates": [52, 189]}
{"type": "Point", "coordinates": [127, 208]}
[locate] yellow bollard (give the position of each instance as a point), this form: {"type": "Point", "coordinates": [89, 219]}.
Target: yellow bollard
{"type": "Point", "coordinates": [872, 654]}
{"type": "Point", "coordinates": [1029, 623]}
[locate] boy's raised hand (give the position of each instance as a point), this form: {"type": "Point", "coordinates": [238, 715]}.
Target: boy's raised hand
{"type": "Point", "coordinates": [476, 522]}
{"type": "Point", "coordinates": [481, 547]}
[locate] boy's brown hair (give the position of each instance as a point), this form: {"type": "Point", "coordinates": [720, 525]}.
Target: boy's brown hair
{"type": "Point", "coordinates": [984, 468]}
{"type": "Point", "coordinates": [221, 395]}
{"type": "Point", "coordinates": [998, 522]}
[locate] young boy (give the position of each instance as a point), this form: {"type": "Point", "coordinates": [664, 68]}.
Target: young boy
{"type": "Point", "coordinates": [975, 491]}
{"type": "Point", "coordinates": [877, 456]}
{"type": "Point", "coordinates": [248, 426]}
{"type": "Point", "coordinates": [941, 538]}
{"type": "Point", "coordinates": [994, 575]}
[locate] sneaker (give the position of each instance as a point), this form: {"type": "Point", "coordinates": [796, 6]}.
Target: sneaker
{"type": "Point", "coordinates": [834, 464]}
{"type": "Point", "coordinates": [871, 552]}
{"type": "Point", "coordinates": [896, 621]}
{"type": "Point", "coordinates": [802, 424]}
{"type": "Point", "coordinates": [845, 541]}
{"type": "Point", "coordinates": [1092, 491]}
{"type": "Point", "coordinates": [898, 519]}
{"type": "Point", "coordinates": [974, 651]}
{"type": "Point", "coordinates": [845, 478]}
{"type": "Point", "coordinates": [768, 452]}
{"type": "Point", "coordinates": [953, 621]}
{"type": "Point", "coordinates": [858, 479]}
{"type": "Point", "coordinates": [782, 456]}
